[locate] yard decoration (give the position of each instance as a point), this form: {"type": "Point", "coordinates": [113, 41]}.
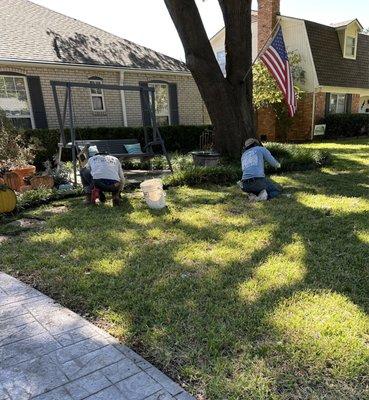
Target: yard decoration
{"type": "Point", "coordinates": [8, 199]}
{"type": "Point", "coordinates": [13, 181]}
{"type": "Point", "coordinates": [24, 171]}
{"type": "Point", "coordinates": [42, 181]}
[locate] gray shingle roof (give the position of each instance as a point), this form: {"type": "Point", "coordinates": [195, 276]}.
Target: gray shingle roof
{"type": "Point", "coordinates": [31, 32]}
{"type": "Point", "coordinates": [331, 67]}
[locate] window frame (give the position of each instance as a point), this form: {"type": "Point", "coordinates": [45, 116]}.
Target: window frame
{"type": "Point", "coordinates": [7, 75]}
{"type": "Point", "coordinates": [351, 56]}
{"type": "Point", "coordinates": [153, 84]}
{"type": "Point", "coordinates": [97, 80]}
{"type": "Point", "coordinates": [345, 103]}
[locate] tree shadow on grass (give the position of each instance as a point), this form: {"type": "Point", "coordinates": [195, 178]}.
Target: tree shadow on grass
{"type": "Point", "coordinates": [213, 300]}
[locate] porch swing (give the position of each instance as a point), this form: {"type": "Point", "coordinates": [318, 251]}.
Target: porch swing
{"type": "Point", "coordinates": [115, 147]}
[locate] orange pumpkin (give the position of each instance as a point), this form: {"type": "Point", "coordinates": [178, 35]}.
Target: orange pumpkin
{"type": "Point", "coordinates": [8, 200]}
{"type": "Point", "coordinates": [45, 181]}
{"type": "Point", "coordinates": [13, 180]}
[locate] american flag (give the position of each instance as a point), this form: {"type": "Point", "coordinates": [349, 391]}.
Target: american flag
{"type": "Point", "coordinates": [275, 58]}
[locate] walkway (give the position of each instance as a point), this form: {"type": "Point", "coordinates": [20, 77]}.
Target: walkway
{"type": "Point", "coordinates": [47, 352]}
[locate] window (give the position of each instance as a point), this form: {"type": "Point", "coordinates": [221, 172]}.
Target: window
{"type": "Point", "coordinates": [97, 96]}
{"type": "Point", "coordinates": [14, 100]}
{"type": "Point", "coordinates": [337, 103]}
{"type": "Point", "coordinates": [350, 50]}
{"type": "Point", "coordinates": [221, 57]}
{"type": "Point", "coordinates": [162, 108]}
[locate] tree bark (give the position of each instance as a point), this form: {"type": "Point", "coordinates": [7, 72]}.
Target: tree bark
{"type": "Point", "coordinates": [228, 99]}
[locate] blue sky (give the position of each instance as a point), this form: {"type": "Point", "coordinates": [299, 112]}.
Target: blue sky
{"type": "Point", "coordinates": [147, 21]}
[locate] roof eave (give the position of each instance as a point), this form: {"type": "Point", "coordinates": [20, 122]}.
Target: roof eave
{"type": "Point", "coordinates": [91, 66]}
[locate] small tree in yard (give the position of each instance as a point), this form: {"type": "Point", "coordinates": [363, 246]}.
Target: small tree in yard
{"type": "Point", "coordinates": [268, 95]}
{"type": "Point", "coordinates": [228, 99]}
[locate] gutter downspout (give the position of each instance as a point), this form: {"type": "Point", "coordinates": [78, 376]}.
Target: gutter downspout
{"type": "Point", "coordinates": [313, 115]}
{"type": "Point", "coordinates": [123, 100]}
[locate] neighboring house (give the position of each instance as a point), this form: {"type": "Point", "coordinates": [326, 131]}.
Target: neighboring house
{"type": "Point", "coordinates": [38, 45]}
{"type": "Point", "coordinates": [335, 60]}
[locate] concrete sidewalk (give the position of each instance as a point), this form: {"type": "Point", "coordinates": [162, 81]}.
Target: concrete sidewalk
{"type": "Point", "coordinates": [48, 352]}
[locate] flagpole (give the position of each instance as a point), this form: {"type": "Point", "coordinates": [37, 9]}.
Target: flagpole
{"type": "Point", "coordinates": [269, 39]}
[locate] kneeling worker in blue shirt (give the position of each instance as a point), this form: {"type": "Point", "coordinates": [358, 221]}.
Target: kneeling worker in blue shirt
{"type": "Point", "coordinates": [254, 181]}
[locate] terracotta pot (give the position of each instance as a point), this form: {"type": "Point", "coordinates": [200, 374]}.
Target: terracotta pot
{"type": "Point", "coordinates": [22, 172]}
{"type": "Point", "coordinates": [13, 180]}
{"type": "Point", "coordinates": [45, 181]}
{"type": "Point", "coordinates": [8, 200]}
{"type": "Point", "coordinates": [25, 188]}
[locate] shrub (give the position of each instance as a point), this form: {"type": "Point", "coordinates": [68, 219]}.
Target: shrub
{"type": "Point", "coordinates": [37, 197]}
{"type": "Point", "coordinates": [346, 125]}
{"type": "Point", "coordinates": [179, 138]}
{"type": "Point", "coordinates": [297, 158]}
{"type": "Point", "coordinates": [194, 176]}
{"type": "Point", "coordinates": [14, 151]}
{"type": "Point", "coordinates": [291, 157]}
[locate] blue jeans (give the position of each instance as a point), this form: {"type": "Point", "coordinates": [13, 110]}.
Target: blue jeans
{"type": "Point", "coordinates": [256, 185]}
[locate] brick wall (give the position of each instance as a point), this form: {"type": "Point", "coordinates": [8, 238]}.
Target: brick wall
{"type": "Point", "coordinates": [266, 124]}
{"type": "Point", "coordinates": [267, 19]}
{"type": "Point", "coordinates": [301, 127]}
{"type": "Point", "coordinates": [191, 108]}
{"type": "Point", "coordinates": [355, 103]}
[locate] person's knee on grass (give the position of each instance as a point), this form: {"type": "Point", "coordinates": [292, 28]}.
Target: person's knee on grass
{"type": "Point", "coordinates": [253, 180]}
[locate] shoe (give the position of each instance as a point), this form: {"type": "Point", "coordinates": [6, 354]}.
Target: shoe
{"type": "Point", "coordinates": [252, 197]}
{"type": "Point", "coordinates": [263, 196]}
{"type": "Point", "coordinates": [102, 197]}
{"type": "Point", "coordinates": [240, 184]}
{"type": "Point", "coordinates": [116, 200]}
{"type": "Point", "coordinates": [87, 200]}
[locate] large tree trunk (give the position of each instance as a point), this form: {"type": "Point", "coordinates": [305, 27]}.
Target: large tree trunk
{"type": "Point", "coordinates": [228, 100]}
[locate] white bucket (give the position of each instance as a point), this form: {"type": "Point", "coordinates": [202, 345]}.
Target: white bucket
{"type": "Point", "coordinates": [154, 194]}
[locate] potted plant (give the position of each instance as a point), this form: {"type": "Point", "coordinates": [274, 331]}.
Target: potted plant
{"type": "Point", "coordinates": [206, 156]}
{"type": "Point", "coordinates": [15, 154]}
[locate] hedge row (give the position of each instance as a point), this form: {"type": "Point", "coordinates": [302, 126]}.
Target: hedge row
{"type": "Point", "coordinates": [346, 125]}
{"type": "Point", "coordinates": [181, 138]}
{"type": "Point", "coordinates": [292, 158]}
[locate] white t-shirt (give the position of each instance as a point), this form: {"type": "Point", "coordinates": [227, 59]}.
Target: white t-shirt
{"type": "Point", "coordinates": [105, 167]}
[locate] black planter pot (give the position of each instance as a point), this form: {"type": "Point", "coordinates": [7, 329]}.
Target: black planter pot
{"type": "Point", "coordinates": [205, 158]}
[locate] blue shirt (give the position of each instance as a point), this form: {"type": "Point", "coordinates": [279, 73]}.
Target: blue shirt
{"type": "Point", "coordinates": [252, 162]}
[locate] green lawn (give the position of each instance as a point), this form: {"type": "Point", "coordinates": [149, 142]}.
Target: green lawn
{"type": "Point", "coordinates": [235, 300]}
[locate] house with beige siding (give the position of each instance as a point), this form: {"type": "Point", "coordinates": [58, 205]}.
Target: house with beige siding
{"type": "Point", "coordinates": [39, 45]}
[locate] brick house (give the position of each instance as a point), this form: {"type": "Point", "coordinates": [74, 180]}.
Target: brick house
{"type": "Point", "coordinates": [335, 59]}
{"type": "Point", "coordinates": [39, 45]}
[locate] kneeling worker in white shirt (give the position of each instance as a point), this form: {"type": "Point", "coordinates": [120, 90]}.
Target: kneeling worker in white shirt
{"type": "Point", "coordinates": [105, 173]}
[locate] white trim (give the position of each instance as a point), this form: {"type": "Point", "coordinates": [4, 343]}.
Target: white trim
{"type": "Point", "coordinates": [153, 84]}
{"type": "Point", "coordinates": [31, 117]}
{"type": "Point", "coordinates": [92, 95]}
{"type": "Point", "coordinates": [349, 57]}
{"type": "Point", "coordinates": [344, 90]}
{"type": "Point", "coordinates": [123, 100]}
{"type": "Point", "coordinates": [313, 116]}
{"type": "Point", "coordinates": [315, 78]}
{"type": "Point", "coordinates": [27, 63]}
